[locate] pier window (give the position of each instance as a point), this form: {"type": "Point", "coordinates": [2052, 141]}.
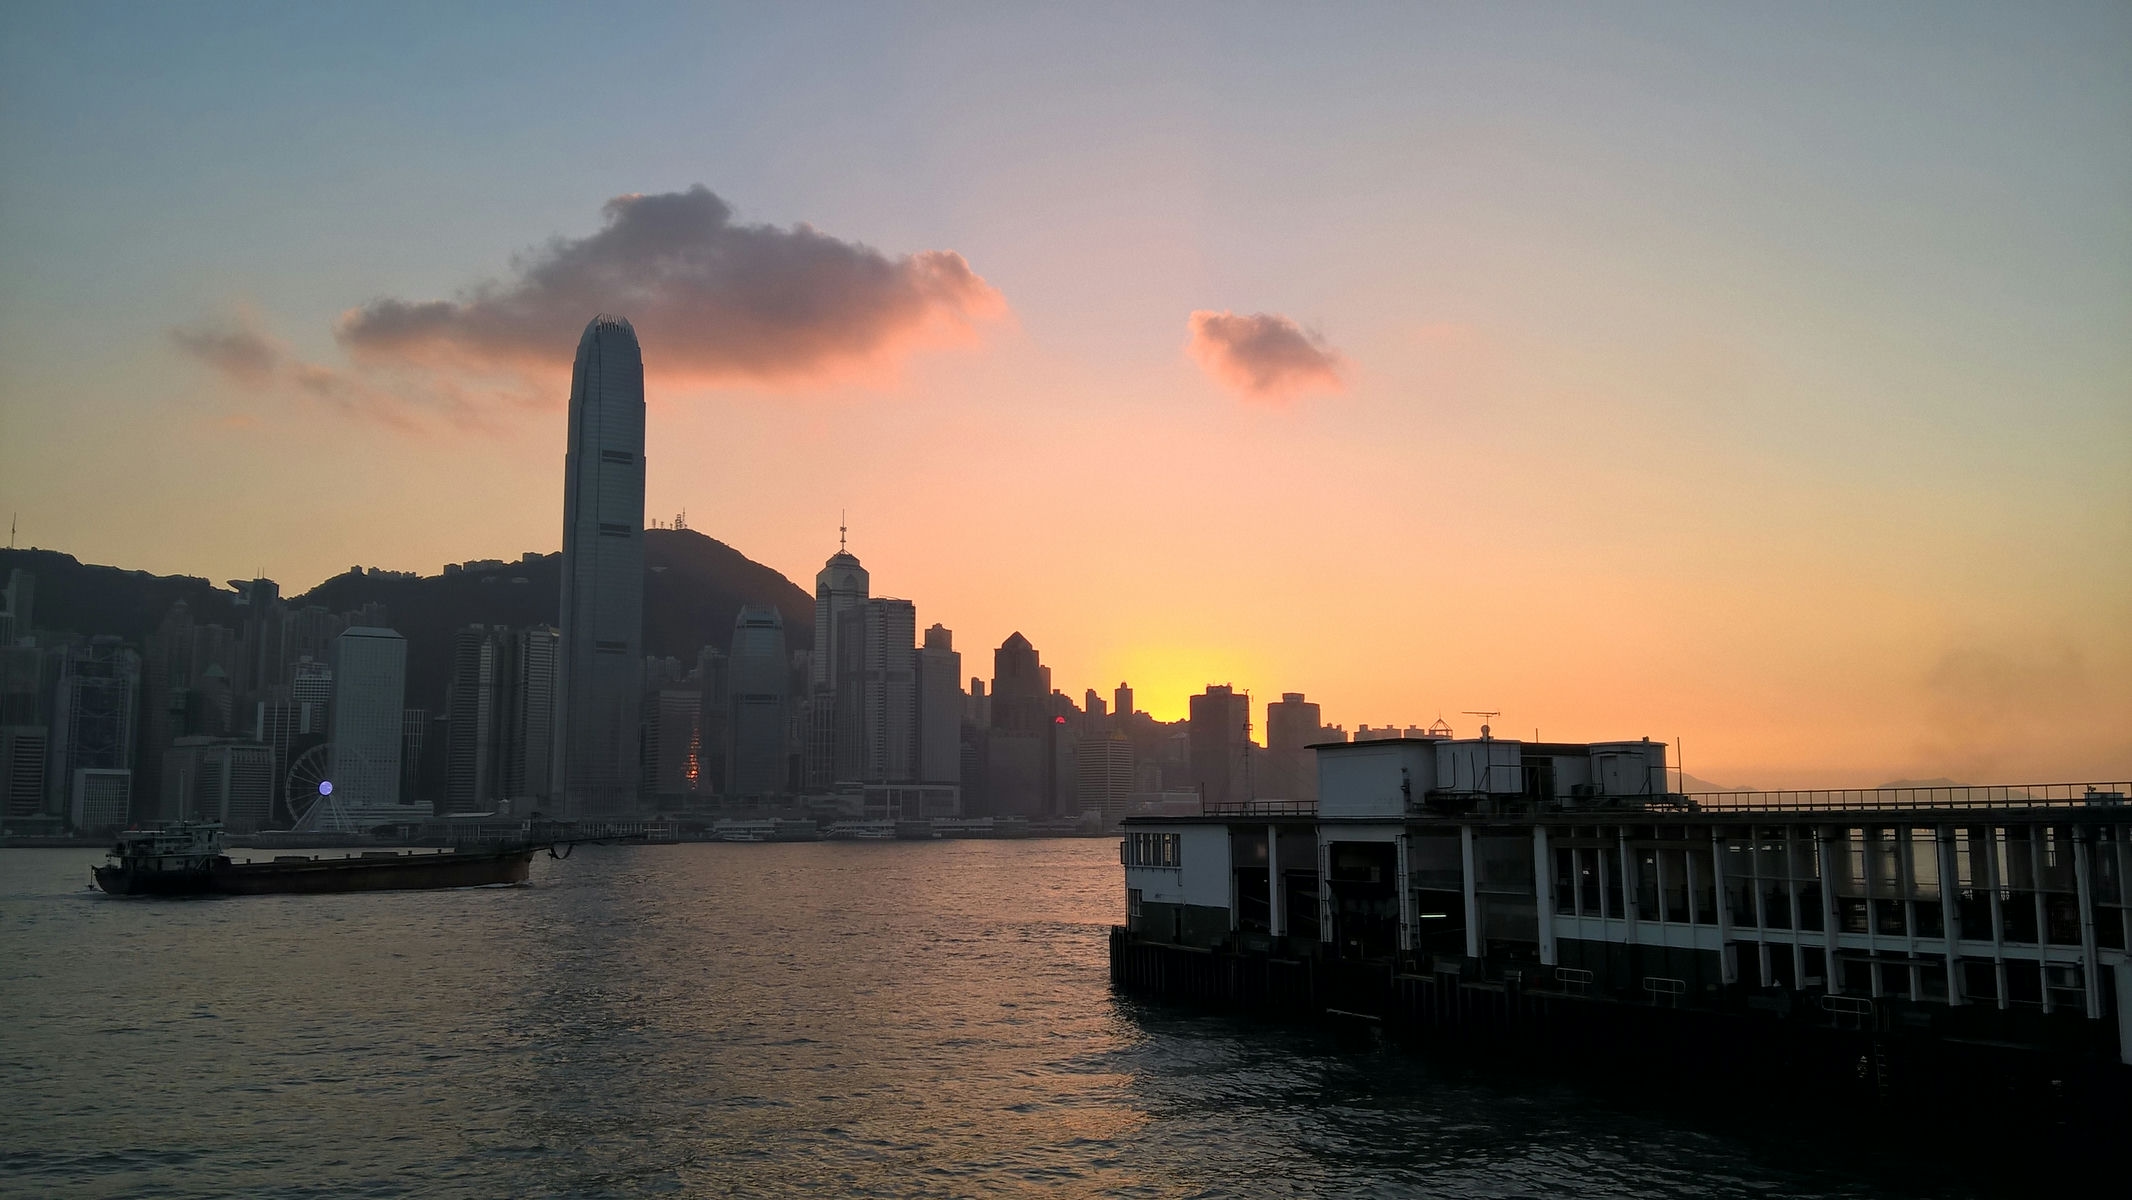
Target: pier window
{"type": "Point", "coordinates": [2024, 981]}
{"type": "Point", "coordinates": [1927, 915]}
{"type": "Point", "coordinates": [1980, 981]}
{"type": "Point", "coordinates": [1773, 876]}
{"type": "Point", "coordinates": [1806, 879]}
{"type": "Point", "coordinates": [1611, 883]}
{"type": "Point", "coordinates": [1739, 882]}
{"type": "Point", "coordinates": [1972, 884]}
{"type": "Point", "coordinates": [1646, 865]}
{"type": "Point", "coordinates": [1847, 861]}
{"type": "Point", "coordinates": [2061, 886]}
{"type": "Point", "coordinates": [1590, 862]}
{"type": "Point", "coordinates": [2018, 919]}
{"type": "Point", "coordinates": [1565, 881]}
{"type": "Point", "coordinates": [1673, 882]}
{"type": "Point", "coordinates": [2106, 882]}
{"type": "Point", "coordinates": [1702, 886]}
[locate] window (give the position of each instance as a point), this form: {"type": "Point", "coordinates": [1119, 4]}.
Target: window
{"type": "Point", "coordinates": [1155, 850]}
{"type": "Point", "coordinates": [614, 529]}
{"type": "Point", "coordinates": [622, 457]}
{"type": "Point", "coordinates": [610, 647]}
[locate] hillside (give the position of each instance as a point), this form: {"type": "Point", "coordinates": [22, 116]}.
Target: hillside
{"type": "Point", "coordinates": [693, 588]}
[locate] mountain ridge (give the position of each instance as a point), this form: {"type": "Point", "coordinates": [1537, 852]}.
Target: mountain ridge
{"type": "Point", "coordinates": [694, 586]}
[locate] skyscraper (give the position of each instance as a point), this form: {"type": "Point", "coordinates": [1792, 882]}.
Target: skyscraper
{"type": "Point", "coordinates": [1021, 749]}
{"type": "Point", "coordinates": [1292, 723]}
{"type": "Point", "coordinates": [756, 705]}
{"type": "Point", "coordinates": [369, 690]}
{"type": "Point", "coordinates": [600, 668]}
{"type": "Point", "coordinates": [1221, 744]}
{"type": "Point", "coordinates": [834, 718]}
{"type": "Point", "coordinates": [877, 692]}
{"type": "Point", "coordinates": [94, 716]}
{"type": "Point", "coordinates": [940, 706]}
{"type": "Point", "coordinates": [841, 585]}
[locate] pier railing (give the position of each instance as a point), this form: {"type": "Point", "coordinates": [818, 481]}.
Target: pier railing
{"type": "Point", "coordinates": [1262, 808]}
{"type": "Point", "coordinates": [2025, 795]}
{"type": "Point", "coordinates": [2001, 795]}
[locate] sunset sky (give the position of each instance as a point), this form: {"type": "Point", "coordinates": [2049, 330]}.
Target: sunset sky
{"type": "Point", "coordinates": [1755, 376]}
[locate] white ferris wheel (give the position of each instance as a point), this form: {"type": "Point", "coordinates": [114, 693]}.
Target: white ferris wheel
{"type": "Point", "coordinates": [315, 805]}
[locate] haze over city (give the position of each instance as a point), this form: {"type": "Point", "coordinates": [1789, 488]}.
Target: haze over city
{"type": "Point", "coordinates": [1753, 379]}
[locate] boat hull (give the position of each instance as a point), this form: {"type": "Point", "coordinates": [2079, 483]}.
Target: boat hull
{"type": "Point", "coordinates": [411, 872]}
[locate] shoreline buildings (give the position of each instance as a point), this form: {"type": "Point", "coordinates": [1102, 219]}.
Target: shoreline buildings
{"type": "Point", "coordinates": [600, 668]}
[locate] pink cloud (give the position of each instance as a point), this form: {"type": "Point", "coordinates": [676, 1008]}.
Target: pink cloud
{"type": "Point", "coordinates": [712, 300]}
{"type": "Point", "coordinates": [1263, 356]}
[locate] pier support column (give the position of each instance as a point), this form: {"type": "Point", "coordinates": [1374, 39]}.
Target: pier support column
{"type": "Point", "coordinates": [1276, 900]}
{"type": "Point", "coordinates": [1466, 885]}
{"type": "Point", "coordinates": [1950, 914]}
{"type": "Point", "coordinates": [1826, 855]}
{"type": "Point", "coordinates": [1407, 921]}
{"type": "Point", "coordinates": [2090, 964]}
{"type": "Point", "coordinates": [1727, 956]}
{"type": "Point", "coordinates": [1325, 891]}
{"type": "Point", "coordinates": [1543, 877]}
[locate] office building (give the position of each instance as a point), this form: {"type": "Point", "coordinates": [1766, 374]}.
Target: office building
{"type": "Point", "coordinates": [369, 691]}
{"type": "Point", "coordinates": [219, 779]}
{"type": "Point", "coordinates": [940, 705]}
{"type": "Point", "coordinates": [94, 715]}
{"type": "Point", "coordinates": [601, 661]}
{"type": "Point", "coordinates": [757, 681]}
{"type": "Point", "coordinates": [877, 692]}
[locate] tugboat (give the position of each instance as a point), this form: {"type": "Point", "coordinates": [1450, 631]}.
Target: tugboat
{"type": "Point", "coordinates": [185, 858]}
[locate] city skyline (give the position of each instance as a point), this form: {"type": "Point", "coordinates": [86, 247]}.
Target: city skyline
{"type": "Point", "coordinates": [1748, 379]}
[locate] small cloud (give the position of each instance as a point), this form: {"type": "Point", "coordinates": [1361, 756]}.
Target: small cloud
{"type": "Point", "coordinates": [1263, 356]}
{"type": "Point", "coordinates": [236, 348]}
{"type": "Point", "coordinates": [712, 300]}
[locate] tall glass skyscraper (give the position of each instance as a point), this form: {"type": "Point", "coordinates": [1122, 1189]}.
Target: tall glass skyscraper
{"type": "Point", "coordinates": [600, 670]}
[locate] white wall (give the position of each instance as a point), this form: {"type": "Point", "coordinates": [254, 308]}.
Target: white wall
{"type": "Point", "coordinates": [1363, 779]}
{"type": "Point", "coordinates": [1202, 877]}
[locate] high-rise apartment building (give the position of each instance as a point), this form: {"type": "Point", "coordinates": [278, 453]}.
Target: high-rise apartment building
{"type": "Point", "coordinates": [599, 675]}
{"type": "Point", "coordinates": [1292, 723]}
{"type": "Point", "coordinates": [369, 692]}
{"type": "Point", "coordinates": [757, 717]}
{"type": "Point", "coordinates": [1220, 732]}
{"type": "Point", "coordinates": [940, 705]}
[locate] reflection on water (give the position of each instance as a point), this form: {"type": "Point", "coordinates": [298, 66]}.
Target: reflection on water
{"type": "Point", "coordinates": [846, 1019]}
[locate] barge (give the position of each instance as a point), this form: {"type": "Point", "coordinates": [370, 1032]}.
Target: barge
{"type": "Point", "coordinates": [186, 858]}
{"type": "Point", "coordinates": [1559, 902]}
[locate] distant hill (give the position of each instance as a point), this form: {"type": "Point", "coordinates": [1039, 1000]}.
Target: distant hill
{"type": "Point", "coordinates": [1923, 783]}
{"type": "Point", "coordinates": [1689, 783]}
{"type": "Point", "coordinates": [693, 588]}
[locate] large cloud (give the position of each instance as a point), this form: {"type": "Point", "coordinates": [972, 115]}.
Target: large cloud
{"type": "Point", "coordinates": [1263, 355]}
{"type": "Point", "coordinates": [710, 299]}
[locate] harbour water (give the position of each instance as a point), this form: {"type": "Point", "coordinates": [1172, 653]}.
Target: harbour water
{"type": "Point", "coordinates": [884, 1019]}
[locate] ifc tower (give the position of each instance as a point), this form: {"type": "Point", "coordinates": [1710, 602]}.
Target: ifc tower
{"type": "Point", "coordinates": [600, 674]}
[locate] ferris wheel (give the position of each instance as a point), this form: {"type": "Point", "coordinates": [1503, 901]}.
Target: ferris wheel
{"type": "Point", "coordinates": [308, 789]}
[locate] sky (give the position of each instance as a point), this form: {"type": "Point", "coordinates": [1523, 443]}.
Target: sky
{"type": "Point", "coordinates": [1756, 378]}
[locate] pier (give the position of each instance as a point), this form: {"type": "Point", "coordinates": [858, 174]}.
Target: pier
{"type": "Point", "coordinates": [1558, 902]}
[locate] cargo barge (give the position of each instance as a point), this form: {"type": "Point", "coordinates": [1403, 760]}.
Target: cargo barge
{"type": "Point", "coordinates": [1559, 903]}
{"type": "Point", "coordinates": [186, 859]}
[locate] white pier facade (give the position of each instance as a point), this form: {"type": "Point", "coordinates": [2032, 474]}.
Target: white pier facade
{"type": "Point", "coordinates": [1997, 914]}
